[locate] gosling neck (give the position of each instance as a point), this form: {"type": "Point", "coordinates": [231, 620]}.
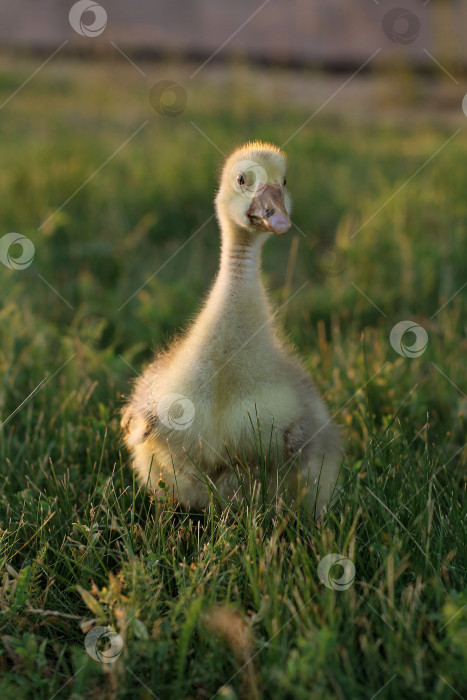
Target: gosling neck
{"type": "Point", "coordinates": [240, 260]}
{"type": "Point", "coordinates": [236, 308]}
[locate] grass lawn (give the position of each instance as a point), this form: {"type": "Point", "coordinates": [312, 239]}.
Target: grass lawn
{"type": "Point", "coordinates": [228, 603]}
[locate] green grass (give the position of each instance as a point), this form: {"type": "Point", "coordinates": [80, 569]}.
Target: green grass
{"type": "Point", "coordinates": [80, 541]}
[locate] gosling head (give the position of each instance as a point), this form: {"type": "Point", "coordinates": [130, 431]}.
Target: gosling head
{"type": "Point", "coordinates": [253, 192]}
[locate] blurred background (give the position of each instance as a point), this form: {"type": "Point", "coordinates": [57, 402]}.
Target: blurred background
{"type": "Point", "coordinates": [336, 34]}
{"type": "Point", "coordinates": [115, 118]}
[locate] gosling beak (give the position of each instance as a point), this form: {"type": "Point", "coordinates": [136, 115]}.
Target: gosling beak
{"type": "Point", "coordinates": [267, 211]}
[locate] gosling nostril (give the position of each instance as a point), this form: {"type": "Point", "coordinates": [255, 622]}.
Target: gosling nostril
{"type": "Point", "coordinates": [268, 213]}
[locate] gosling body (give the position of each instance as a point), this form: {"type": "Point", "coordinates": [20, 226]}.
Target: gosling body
{"type": "Point", "coordinates": [201, 400]}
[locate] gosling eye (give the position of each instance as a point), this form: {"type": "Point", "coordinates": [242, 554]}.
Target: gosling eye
{"type": "Point", "coordinates": [241, 179]}
{"type": "Point", "coordinates": [285, 181]}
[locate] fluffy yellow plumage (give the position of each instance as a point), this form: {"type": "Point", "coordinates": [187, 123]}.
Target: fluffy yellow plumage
{"type": "Point", "coordinates": [198, 399]}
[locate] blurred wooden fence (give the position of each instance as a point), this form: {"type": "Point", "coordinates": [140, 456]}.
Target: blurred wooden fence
{"type": "Point", "coordinates": [339, 33]}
